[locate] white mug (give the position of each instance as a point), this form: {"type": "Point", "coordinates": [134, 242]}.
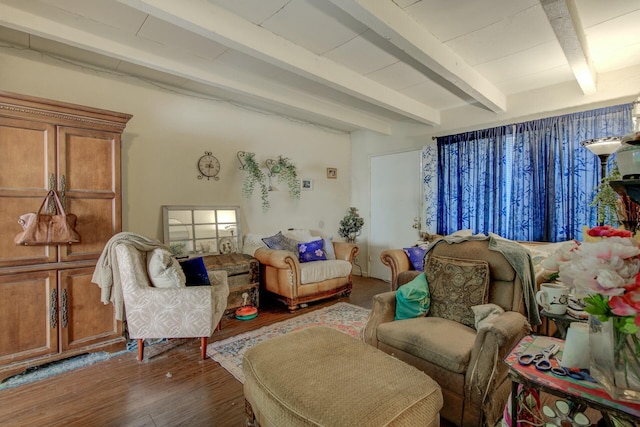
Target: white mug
{"type": "Point", "coordinates": [553, 297]}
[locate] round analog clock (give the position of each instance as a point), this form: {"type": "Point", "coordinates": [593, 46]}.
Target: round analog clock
{"type": "Point", "coordinates": [208, 166]}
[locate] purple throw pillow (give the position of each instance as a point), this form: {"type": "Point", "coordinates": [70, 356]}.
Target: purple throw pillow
{"type": "Point", "coordinates": [416, 257]}
{"type": "Point", "coordinates": [312, 251]}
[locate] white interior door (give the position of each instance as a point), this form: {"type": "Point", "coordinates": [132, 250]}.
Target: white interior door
{"type": "Point", "coordinates": [396, 199]}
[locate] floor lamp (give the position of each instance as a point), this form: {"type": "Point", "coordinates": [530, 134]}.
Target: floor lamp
{"type": "Point", "coordinates": [603, 148]}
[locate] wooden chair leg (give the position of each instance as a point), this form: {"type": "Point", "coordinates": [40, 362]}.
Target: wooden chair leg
{"type": "Point", "coordinates": [203, 348]}
{"type": "Point", "coordinates": [140, 349]}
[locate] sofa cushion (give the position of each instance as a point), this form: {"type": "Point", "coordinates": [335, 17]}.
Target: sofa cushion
{"type": "Point", "coordinates": [164, 270]}
{"type": "Point", "coordinates": [443, 342]}
{"type": "Point", "coordinates": [456, 285]}
{"type": "Point", "coordinates": [412, 299]}
{"type": "Point", "coordinates": [416, 256]}
{"type": "Point", "coordinates": [317, 271]}
{"type": "Point", "coordinates": [300, 235]}
{"type": "Point", "coordinates": [312, 251]}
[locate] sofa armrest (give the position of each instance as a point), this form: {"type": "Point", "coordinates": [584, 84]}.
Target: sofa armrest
{"type": "Point", "coordinates": [277, 258]}
{"type": "Point", "coordinates": [383, 310]}
{"type": "Point", "coordinates": [398, 261]}
{"type": "Point", "coordinates": [346, 251]}
{"type": "Point", "coordinates": [486, 370]}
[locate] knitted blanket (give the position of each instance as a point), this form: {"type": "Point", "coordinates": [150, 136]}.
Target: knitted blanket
{"type": "Point", "coordinates": [107, 274]}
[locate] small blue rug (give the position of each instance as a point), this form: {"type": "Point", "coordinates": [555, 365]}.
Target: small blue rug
{"type": "Point", "coordinates": [47, 370]}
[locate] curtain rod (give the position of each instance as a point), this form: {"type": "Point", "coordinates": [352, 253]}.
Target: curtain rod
{"type": "Point", "coordinates": [633, 103]}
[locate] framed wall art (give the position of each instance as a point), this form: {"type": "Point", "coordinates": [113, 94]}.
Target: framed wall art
{"type": "Point", "coordinates": [332, 173]}
{"type": "Point", "coordinates": [306, 184]}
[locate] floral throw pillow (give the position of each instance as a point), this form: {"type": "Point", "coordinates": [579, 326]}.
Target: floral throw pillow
{"type": "Point", "coordinates": [456, 285]}
{"type": "Point", "coordinates": [280, 242]}
{"type": "Point", "coordinates": [312, 251]}
{"type": "Point", "coordinates": [416, 257]}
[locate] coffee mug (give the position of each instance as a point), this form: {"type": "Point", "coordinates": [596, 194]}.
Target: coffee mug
{"type": "Point", "coordinates": [553, 297]}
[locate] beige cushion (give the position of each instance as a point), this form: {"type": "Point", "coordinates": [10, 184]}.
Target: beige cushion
{"type": "Point", "coordinates": [456, 285]}
{"type": "Point", "coordinates": [164, 270]}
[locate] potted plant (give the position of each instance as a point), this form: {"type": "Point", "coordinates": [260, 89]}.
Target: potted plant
{"type": "Point", "coordinates": [351, 225]}
{"type": "Point", "coordinates": [606, 199]}
{"type": "Point", "coordinates": [255, 176]}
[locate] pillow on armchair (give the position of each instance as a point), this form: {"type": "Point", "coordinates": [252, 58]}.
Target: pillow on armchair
{"type": "Point", "coordinates": [456, 285]}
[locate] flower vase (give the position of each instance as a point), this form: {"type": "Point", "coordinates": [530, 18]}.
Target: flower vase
{"type": "Point", "coordinates": [615, 359]}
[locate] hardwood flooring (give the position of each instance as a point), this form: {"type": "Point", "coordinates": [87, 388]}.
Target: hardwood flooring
{"type": "Point", "coordinates": [171, 387]}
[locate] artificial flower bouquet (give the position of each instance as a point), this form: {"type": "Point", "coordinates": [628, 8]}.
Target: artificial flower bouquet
{"type": "Point", "coordinates": [605, 274]}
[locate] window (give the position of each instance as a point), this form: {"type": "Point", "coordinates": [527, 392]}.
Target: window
{"type": "Point", "coordinates": [202, 229]}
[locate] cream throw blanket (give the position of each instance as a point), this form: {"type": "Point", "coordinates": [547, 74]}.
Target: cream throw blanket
{"type": "Point", "coordinates": [107, 275]}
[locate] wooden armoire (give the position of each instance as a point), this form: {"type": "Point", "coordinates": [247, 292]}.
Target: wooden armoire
{"type": "Point", "coordinates": [49, 309]}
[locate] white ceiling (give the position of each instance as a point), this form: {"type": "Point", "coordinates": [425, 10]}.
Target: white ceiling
{"type": "Point", "coordinates": [346, 64]}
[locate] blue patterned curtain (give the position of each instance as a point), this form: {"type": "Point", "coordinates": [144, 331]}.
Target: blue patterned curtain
{"type": "Point", "coordinates": [541, 181]}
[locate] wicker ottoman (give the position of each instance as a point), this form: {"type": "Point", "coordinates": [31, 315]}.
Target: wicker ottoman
{"type": "Point", "coordinates": [322, 377]}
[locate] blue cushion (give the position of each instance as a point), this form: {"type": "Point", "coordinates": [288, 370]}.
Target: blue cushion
{"type": "Point", "coordinates": [413, 299]}
{"type": "Point", "coordinates": [416, 257]}
{"type": "Point", "coordinates": [280, 242]}
{"type": "Point", "coordinates": [195, 272]}
{"type": "Point", "coordinates": [312, 251]}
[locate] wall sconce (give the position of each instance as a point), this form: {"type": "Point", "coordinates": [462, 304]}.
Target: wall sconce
{"type": "Point", "coordinates": [241, 155]}
{"type": "Point", "coordinates": [272, 166]}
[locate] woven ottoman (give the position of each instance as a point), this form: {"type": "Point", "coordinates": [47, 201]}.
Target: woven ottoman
{"type": "Point", "coordinates": [322, 377]}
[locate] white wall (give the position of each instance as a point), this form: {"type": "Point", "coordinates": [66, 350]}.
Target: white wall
{"type": "Point", "coordinates": [170, 131]}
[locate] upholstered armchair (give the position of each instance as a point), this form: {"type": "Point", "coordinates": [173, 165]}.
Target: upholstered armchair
{"type": "Point", "coordinates": [173, 312]}
{"type": "Point", "coordinates": [462, 356]}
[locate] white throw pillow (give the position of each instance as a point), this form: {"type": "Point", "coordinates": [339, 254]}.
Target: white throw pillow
{"type": "Point", "coordinates": [329, 251]}
{"type": "Point", "coordinates": [164, 270]}
{"type": "Point", "coordinates": [301, 235]}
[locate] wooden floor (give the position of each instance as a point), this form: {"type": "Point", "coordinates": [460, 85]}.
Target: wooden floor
{"type": "Point", "coordinates": [171, 388]}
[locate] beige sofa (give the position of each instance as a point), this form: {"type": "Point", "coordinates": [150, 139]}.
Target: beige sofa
{"type": "Point", "coordinates": [293, 282]}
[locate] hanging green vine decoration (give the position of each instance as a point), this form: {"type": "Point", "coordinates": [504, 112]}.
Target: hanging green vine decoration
{"type": "Point", "coordinates": [255, 176]}
{"type": "Point", "coordinates": [288, 173]}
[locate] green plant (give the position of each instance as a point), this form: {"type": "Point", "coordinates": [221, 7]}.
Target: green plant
{"type": "Point", "coordinates": [606, 199]}
{"type": "Point", "coordinates": [351, 225]}
{"type": "Point", "coordinates": [288, 172]}
{"type": "Point", "coordinates": [255, 176]}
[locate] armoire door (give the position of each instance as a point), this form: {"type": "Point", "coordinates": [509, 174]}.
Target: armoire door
{"type": "Point", "coordinates": [28, 156]}
{"type": "Point", "coordinates": [89, 178]}
{"type": "Point", "coordinates": [84, 320]}
{"type": "Point", "coordinates": [28, 315]}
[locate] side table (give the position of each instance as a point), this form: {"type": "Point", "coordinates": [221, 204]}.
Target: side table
{"type": "Point", "coordinates": [562, 321]}
{"type": "Point", "coordinates": [243, 273]}
{"type": "Point", "coordinates": [580, 392]}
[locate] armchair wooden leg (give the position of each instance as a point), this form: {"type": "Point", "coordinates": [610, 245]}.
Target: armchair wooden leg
{"type": "Point", "coordinates": [140, 349]}
{"type": "Point", "coordinates": [203, 348]}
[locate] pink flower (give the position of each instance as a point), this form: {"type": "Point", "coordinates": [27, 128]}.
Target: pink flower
{"type": "Point", "coordinates": [607, 231]}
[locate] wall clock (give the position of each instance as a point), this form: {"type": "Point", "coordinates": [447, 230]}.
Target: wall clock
{"type": "Point", "coordinates": [208, 166]}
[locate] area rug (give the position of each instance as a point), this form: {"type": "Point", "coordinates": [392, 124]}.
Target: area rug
{"type": "Point", "coordinates": [344, 317]}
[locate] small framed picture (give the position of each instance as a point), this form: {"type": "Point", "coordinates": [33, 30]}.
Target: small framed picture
{"type": "Point", "coordinates": [332, 173]}
{"type": "Point", "coordinates": [306, 184]}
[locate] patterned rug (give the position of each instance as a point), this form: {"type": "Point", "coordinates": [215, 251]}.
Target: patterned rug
{"type": "Point", "coordinates": [344, 317]}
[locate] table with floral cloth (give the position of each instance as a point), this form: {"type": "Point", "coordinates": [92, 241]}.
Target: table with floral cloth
{"type": "Point", "coordinates": [578, 391]}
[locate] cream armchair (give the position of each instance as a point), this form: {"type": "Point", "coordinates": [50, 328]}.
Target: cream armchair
{"type": "Point", "coordinates": [179, 312]}
{"type": "Point", "coordinates": [467, 363]}
{"type": "Point", "coordinates": [294, 283]}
